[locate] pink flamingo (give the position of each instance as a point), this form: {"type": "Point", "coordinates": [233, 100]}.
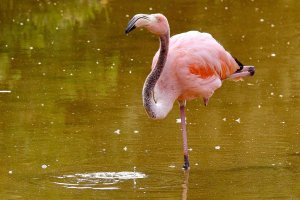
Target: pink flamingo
{"type": "Point", "coordinates": [186, 66]}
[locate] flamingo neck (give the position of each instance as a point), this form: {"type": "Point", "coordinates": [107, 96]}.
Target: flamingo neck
{"type": "Point", "coordinates": [150, 104]}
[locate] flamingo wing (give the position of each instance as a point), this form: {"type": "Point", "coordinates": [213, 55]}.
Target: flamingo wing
{"type": "Point", "coordinates": [197, 63]}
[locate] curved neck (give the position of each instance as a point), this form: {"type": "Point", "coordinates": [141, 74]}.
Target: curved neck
{"type": "Point", "coordinates": [148, 90]}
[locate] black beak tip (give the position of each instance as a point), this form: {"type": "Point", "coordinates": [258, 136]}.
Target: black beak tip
{"type": "Point", "coordinates": [129, 29]}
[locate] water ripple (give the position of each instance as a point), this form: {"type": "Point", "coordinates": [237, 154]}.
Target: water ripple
{"type": "Point", "coordinates": [97, 180]}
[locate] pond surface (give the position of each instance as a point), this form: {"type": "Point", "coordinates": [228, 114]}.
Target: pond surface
{"type": "Point", "coordinates": [72, 124]}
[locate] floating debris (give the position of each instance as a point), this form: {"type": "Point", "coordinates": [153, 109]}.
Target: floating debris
{"type": "Point", "coordinates": [5, 91]}
{"type": "Point", "coordinates": [238, 120]}
{"type": "Point", "coordinates": [136, 131]}
{"type": "Point", "coordinates": [172, 166]}
{"type": "Point", "coordinates": [118, 131]}
{"type": "Point", "coordinates": [178, 121]}
{"type": "Point", "coordinates": [273, 54]}
{"type": "Point", "coordinates": [10, 172]}
{"type": "Point", "coordinates": [217, 147]}
{"type": "Point", "coordinates": [224, 119]}
{"type": "Point", "coordinates": [44, 166]}
{"type": "Point", "coordinates": [125, 148]}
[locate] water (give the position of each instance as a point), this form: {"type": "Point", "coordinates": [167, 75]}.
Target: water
{"type": "Point", "coordinates": [72, 124]}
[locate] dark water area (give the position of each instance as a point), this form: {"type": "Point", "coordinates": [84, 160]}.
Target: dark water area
{"type": "Point", "coordinates": [72, 123]}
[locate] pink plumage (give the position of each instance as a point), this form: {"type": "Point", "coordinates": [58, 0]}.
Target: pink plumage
{"type": "Point", "coordinates": [186, 66]}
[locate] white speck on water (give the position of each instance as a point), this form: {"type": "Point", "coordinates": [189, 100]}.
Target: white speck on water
{"type": "Point", "coordinates": [259, 106]}
{"type": "Point", "coordinates": [6, 91]}
{"type": "Point", "coordinates": [280, 95]}
{"type": "Point", "coordinates": [172, 166]}
{"type": "Point", "coordinates": [71, 74]}
{"type": "Point", "coordinates": [288, 43]}
{"type": "Point", "coordinates": [150, 8]}
{"type": "Point", "coordinates": [88, 41]}
{"type": "Point", "coordinates": [273, 164]}
{"type": "Point", "coordinates": [42, 105]}
{"type": "Point", "coordinates": [44, 73]}
{"type": "Point", "coordinates": [261, 20]}
{"type": "Point", "coordinates": [131, 59]}
{"type": "Point", "coordinates": [272, 93]}
{"type": "Point", "coordinates": [10, 171]}
{"type": "Point", "coordinates": [39, 63]}
{"type": "Point", "coordinates": [30, 48]}
{"type": "Point", "coordinates": [224, 119]}
{"type": "Point", "coordinates": [136, 131]}
{"type": "Point", "coordinates": [130, 72]}
{"type": "Point", "coordinates": [21, 23]}
{"type": "Point", "coordinates": [226, 8]}
{"type": "Point", "coordinates": [98, 49]}
{"type": "Point", "coordinates": [250, 84]}
{"type": "Point", "coordinates": [27, 19]}
{"type": "Point", "coordinates": [196, 164]}
{"type": "Point", "coordinates": [273, 54]}
{"type": "Point", "coordinates": [118, 131]}
{"type": "Point", "coordinates": [178, 121]}
{"type": "Point", "coordinates": [127, 15]}
{"type": "Point", "coordinates": [238, 120]}
{"type": "Point", "coordinates": [217, 147]}
{"type": "Point", "coordinates": [272, 25]}
{"type": "Point", "coordinates": [205, 8]}
{"type": "Point", "coordinates": [97, 62]}
{"type": "Point", "coordinates": [125, 148]}
{"type": "Point", "coordinates": [6, 45]}
{"type": "Point", "coordinates": [190, 149]}
{"type": "Point", "coordinates": [56, 28]}
{"type": "Point", "coordinates": [44, 166]}
{"type": "Point", "coordinates": [283, 122]}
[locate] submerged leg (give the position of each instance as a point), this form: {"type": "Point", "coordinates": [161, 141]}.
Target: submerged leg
{"type": "Point", "coordinates": [186, 164]}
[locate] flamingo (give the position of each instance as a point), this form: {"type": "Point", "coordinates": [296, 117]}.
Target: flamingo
{"type": "Point", "coordinates": [186, 66]}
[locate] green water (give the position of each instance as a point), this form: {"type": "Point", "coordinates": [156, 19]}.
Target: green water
{"type": "Point", "coordinates": [75, 108]}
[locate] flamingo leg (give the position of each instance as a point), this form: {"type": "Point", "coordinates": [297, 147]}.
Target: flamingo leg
{"type": "Point", "coordinates": [186, 164]}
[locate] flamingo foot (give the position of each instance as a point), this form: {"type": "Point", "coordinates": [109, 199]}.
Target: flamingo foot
{"type": "Point", "coordinates": [186, 164]}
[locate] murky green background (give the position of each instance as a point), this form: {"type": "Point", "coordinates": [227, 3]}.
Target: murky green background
{"type": "Point", "coordinates": [75, 105]}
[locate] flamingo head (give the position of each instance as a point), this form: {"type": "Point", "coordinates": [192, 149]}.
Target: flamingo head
{"type": "Point", "coordinates": [155, 23]}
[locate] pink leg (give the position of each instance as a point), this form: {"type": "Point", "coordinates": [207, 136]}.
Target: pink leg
{"type": "Point", "coordinates": [186, 164]}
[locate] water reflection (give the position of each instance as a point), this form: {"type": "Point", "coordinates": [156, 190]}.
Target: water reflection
{"type": "Point", "coordinates": [185, 184]}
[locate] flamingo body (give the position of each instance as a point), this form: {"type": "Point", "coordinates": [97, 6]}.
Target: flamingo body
{"type": "Point", "coordinates": [186, 66]}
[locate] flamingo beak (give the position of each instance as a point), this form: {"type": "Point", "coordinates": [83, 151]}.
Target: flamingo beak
{"type": "Point", "coordinates": [138, 20]}
{"type": "Point", "coordinates": [131, 25]}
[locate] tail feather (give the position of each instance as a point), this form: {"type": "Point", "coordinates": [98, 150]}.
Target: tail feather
{"type": "Point", "coordinates": [242, 71]}
{"type": "Point", "coordinates": [239, 74]}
